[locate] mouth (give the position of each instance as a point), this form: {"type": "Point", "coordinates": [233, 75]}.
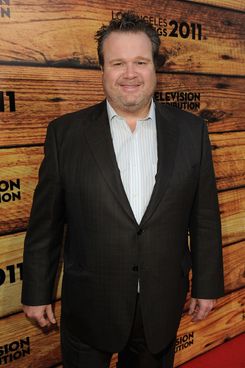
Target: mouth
{"type": "Point", "coordinates": [130, 87]}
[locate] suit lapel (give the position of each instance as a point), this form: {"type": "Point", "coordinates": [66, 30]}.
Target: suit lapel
{"type": "Point", "coordinates": [100, 141]}
{"type": "Point", "coordinates": [167, 140]}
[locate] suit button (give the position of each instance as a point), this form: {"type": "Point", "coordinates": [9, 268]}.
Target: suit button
{"type": "Point", "coordinates": [140, 231]}
{"type": "Point", "coordinates": [135, 268]}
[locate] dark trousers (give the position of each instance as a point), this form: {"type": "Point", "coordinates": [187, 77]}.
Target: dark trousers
{"type": "Point", "coordinates": [76, 354]}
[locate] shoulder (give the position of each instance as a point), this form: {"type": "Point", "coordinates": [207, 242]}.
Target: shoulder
{"type": "Point", "coordinates": [189, 127]}
{"type": "Point", "coordinates": [77, 118]}
{"type": "Point", "coordinates": [183, 119]}
{"type": "Point", "coordinates": [70, 125]}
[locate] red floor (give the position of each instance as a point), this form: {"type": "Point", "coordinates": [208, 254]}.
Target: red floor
{"type": "Point", "coordinates": [228, 355]}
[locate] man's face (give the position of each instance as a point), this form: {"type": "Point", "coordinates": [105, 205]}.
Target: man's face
{"type": "Point", "coordinates": [129, 77]}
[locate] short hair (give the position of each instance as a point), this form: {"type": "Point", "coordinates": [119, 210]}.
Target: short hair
{"type": "Point", "coordinates": [128, 22]}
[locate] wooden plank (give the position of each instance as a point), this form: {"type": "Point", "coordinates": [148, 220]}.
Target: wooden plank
{"type": "Point", "coordinates": [230, 4]}
{"type": "Point", "coordinates": [11, 261]}
{"type": "Point", "coordinates": [20, 166]}
{"type": "Point", "coordinates": [11, 256]}
{"type": "Point", "coordinates": [232, 209]}
{"type": "Point", "coordinates": [42, 94]}
{"type": "Point", "coordinates": [39, 34]}
{"type": "Point", "coordinates": [221, 98]}
{"type": "Point", "coordinates": [228, 151]}
{"type": "Point", "coordinates": [234, 266]}
{"type": "Point", "coordinates": [225, 322]}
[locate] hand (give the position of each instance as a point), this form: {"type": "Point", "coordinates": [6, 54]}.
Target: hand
{"type": "Point", "coordinates": [200, 308]}
{"type": "Point", "coordinates": [42, 314]}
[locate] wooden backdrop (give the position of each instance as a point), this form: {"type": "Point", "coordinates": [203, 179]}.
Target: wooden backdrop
{"type": "Point", "coordinates": [48, 66]}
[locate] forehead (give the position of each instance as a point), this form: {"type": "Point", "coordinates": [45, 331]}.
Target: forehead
{"type": "Point", "coordinates": [127, 45]}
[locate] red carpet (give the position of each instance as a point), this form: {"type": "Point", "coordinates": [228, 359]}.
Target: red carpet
{"type": "Point", "coordinates": [228, 355]}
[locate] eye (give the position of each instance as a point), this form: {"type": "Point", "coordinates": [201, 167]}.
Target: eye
{"type": "Point", "coordinates": [118, 63]}
{"type": "Point", "coordinates": [140, 62]}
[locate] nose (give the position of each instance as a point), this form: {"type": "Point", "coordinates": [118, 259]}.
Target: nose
{"type": "Point", "coordinates": [130, 71]}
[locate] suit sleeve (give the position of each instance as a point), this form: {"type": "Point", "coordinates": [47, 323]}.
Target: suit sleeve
{"type": "Point", "coordinates": [205, 231]}
{"type": "Point", "coordinates": [43, 239]}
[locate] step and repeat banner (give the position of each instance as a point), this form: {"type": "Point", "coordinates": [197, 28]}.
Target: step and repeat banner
{"type": "Point", "coordinates": [48, 67]}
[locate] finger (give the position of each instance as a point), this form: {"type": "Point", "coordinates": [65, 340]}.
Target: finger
{"type": "Point", "coordinates": [201, 313]}
{"type": "Point", "coordinates": [43, 322]}
{"type": "Point", "coordinates": [197, 316]}
{"type": "Point", "coordinates": [50, 314]}
{"type": "Point", "coordinates": [193, 305]}
{"type": "Point", "coordinates": [37, 316]}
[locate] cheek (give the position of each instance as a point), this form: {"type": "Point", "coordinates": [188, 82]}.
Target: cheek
{"type": "Point", "coordinates": [152, 79]}
{"type": "Point", "coordinates": [110, 84]}
{"type": "Point", "coordinates": [149, 79]}
{"type": "Point", "coordinates": [107, 84]}
{"type": "Point", "coordinates": [110, 77]}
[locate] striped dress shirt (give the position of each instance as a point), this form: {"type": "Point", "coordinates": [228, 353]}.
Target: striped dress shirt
{"type": "Point", "coordinates": [136, 155]}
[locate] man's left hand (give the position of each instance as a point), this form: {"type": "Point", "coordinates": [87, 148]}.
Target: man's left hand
{"type": "Point", "coordinates": [200, 308]}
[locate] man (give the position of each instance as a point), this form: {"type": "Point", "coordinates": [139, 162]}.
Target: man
{"type": "Point", "coordinates": [130, 178]}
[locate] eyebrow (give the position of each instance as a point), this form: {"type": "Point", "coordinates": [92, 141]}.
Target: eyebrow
{"type": "Point", "coordinates": [136, 58]}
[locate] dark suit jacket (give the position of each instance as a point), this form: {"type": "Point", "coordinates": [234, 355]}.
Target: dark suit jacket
{"type": "Point", "coordinates": [106, 251]}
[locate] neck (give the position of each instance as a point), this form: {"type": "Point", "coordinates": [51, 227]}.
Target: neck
{"type": "Point", "coordinates": [131, 117]}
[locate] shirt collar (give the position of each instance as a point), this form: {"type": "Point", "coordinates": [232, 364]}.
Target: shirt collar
{"type": "Point", "coordinates": [112, 113]}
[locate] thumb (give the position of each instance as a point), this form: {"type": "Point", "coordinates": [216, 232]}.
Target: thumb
{"type": "Point", "coordinates": [50, 314]}
{"type": "Point", "coordinates": [192, 307]}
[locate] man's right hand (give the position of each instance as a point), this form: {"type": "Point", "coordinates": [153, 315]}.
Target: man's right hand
{"type": "Point", "coordinates": [42, 314]}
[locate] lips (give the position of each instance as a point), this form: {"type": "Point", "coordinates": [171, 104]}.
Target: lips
{"type": "Point", "coordinates": [130, 87]}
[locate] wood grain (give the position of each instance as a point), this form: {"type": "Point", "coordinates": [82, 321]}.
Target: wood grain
{"type": "Point", "coordinates": [42, 94]}
{"type": "Point", "coordinates": [234, 266]}
{"type": "Point", "coordinates": [11, 260]}
{"type": "Point", "coordinates": [61, 34]}
{"type": "Point", "coordinates": [225, 322]}
{"type": "Point", "coordinates": [221, 98]}
{"type": "Point", "coordinates": [228, 152]}
{"type": "Point", "coordinates": [22, 164]}
{"type": "Point", "coordinates": [11, 254]}
{"type": "Point", "coordinates": [230, 4]}
{"type": "Point", "coordinates": [232, 209]}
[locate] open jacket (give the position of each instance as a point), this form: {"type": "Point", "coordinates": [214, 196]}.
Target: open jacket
{"type": "Point", "coordinates": [106, 251]}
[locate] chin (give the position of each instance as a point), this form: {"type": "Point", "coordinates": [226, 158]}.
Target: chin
{"type": "Point", "coordinates": [132, 101]}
